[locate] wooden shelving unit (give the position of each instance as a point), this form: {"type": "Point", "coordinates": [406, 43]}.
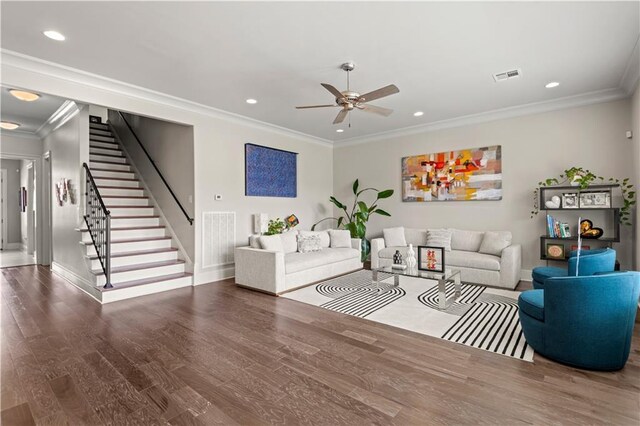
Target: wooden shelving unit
{"type": "Point", "coordinates": [604, 240]}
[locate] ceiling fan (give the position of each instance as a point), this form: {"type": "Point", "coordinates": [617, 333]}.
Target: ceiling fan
{"type": "Point", "coordinates": [348, 100]}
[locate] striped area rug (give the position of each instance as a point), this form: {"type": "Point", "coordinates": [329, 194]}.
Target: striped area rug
{"type": "Point", "coordinates": [482, 317]}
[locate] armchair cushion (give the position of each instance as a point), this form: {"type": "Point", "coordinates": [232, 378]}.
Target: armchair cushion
{"type": "Point", "coordinates": [541, 273]}
{"type": "Point", "coordinates": [532, 303]}
{"type": "Point", "coordinates": [470, 259]}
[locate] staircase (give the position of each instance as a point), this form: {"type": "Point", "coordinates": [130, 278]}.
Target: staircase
{"type": "Point", "coordinates": [143, 259]}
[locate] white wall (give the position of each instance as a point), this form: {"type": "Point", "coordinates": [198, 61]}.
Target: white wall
{"type": "Point", "coordinates": [635, 127]}
{"type": "Point", "coordinates": [19, 146]}
{"type": "Point", "coordinates": [69, 146]}
{"type": "Point", "coordinates": [24, 215]}
{"type": "Point", "coordinates": [534, 147]}
{"type": "Point", "coordinates": [12, 201]}
{"type": "Point", "coordinates": [219, 153]}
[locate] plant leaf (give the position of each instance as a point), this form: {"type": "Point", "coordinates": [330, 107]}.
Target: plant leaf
{"type": "Point", "coordinates": [381, 212]}
{"type": "Point", "coordinates": [355, 187]}
{"type": "Point", "coordinates": [385, 194]}
{"type": "Point", "coordinates": [337, 203]}
{"type": "Point", "coordinates": [363, 206]}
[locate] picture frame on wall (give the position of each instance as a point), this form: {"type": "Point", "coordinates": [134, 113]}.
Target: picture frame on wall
{"type": "Point", "coordinates": [555, 251]}
{"type": "Point", "coordinates": [595, 200]}
{"type": "Point", "coordinates": [570, 200]}
{"type": "Point", "coordinates": [431, 259]}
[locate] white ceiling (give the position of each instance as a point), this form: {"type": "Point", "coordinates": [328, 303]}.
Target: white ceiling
{"type": "Point", "coordinates": [30, 115]}
{"type": "Point", "coordinates": [440, 55]}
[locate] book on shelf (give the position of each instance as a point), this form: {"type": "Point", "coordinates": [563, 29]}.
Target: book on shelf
{"type": "Point", "coordinates": [557, 229]}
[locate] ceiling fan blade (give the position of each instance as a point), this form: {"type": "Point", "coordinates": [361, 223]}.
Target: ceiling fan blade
{"type": "Point", "coordinates": [380, 93]}
{"type": "Point", "coordinates": [341, 116]}
{"type": "Point", "coordinates": [335, 92]}
{"type": "Point", "coordinates": [315, 106]}
{"type": "Point", "coordinates": [376, 109]}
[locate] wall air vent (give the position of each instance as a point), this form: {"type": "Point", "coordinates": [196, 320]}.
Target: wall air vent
{"type": "Point", "coordinates": [507, 75]}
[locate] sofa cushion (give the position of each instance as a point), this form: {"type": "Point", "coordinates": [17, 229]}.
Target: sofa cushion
{"type": "Point", "coordinates": [417, 237]}
{"type": "Point", "coordinates": [340, 238]}
{"type": "Point", "coordinates": [296, 262]}
{"type": "Point", "coordinates": [439, 238]}
{"type": "Point", "coordinates": [466, 240]}
{"type": "Point", "coordinates": [325, 241]}
{"type": "Point", "coordinates": [531, 302]}
{"type": "Point", "coordinates": [388, 252]}
{"type": "Point", "coordinates": [271, 243]}
{"type": "Point", "coordinates": [494, 242]}
{"type": "Point", "coordinates": [470, 259]}
{"type": "Point", "coordinates": [394, 237]}
{"type": "Point", "coordinates": [541, 273]}
{"type": "Point", "coordinates": [309, 243]}
{"type": "Point", "coordinates": [290, 241]}
{"type": "Point", "coordinates": [254, 241]}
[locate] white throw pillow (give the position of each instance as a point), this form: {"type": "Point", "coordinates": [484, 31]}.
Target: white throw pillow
{"type": "Point", "coordinates": [325, 240]}
{"type": "Point", "coordinates": [494, 242]}
{"type": "Point", "coordinates": [340, 238]}
{"type": "Point", "coordinates": [394, 237]}
{"type": "Point", "coordinates": [309, 243]}
{"type": "Point", "coordinates": [289, 241]}
{"type": "Point", "coordinates": [439, 238]}
{"type": "Point", "coordinates": [271, 243]}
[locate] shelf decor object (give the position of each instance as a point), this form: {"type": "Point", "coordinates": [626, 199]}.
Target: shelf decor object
{"type": "Point", "coordinates": [555, 251]}
{"type": "Point", "coordinates": [431, 259]}
{"type": "Point", "coordinates": [463, 175]}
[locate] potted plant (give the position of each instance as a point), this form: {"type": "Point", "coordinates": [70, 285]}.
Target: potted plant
{"type": "Point", "coordinates": [355, 220]}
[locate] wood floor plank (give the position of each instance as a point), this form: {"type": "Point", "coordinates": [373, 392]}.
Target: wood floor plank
{"type": "Point", "coordinates": [221, 355]}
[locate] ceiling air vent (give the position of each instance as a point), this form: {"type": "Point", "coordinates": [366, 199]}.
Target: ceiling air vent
{"type": "Point", "coordinates": [507, 75]}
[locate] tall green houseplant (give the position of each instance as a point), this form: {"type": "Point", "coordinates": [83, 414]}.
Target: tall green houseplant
{"type": "Point", "coordinates": [355, 220]}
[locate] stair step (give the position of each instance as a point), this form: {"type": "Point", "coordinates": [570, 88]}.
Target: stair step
{"type": "Point", "coordinates": [109, 165]}
{"type": "Point", "coordinates": [119, 201]}
{"type": "Point", "coordinates": [138, 253]}
{"type": "Point", "coordinates": [106, 152]}
{"type": "Point", "coordinates": [141, 282]}
{"type": "Point", "coordinates": [99, 132]}
{"type": "Point", "coordinates": [131, 232]}
{"type": "Point", "coordinates": [131, 211]}
{"type": "Point", "coordinates": [107, 190]}
{"type": "Point", "coordinates": [140, 267]}
{"type": "Point", "coordinates": [135, 220]}
{"type": "Point", "coordinates": [103, 144]}
{"type": "Point", "coordinates": [107, 173]}
{"type": "Point", "coordinates": [118, 182]}
{"type": "Point", "coordinates": [99, 138]}
{"type": "Point", "coordinates": [108, 159]}
{"type": "Point", "coordinates": [128, 245]}
{"type": "Point", "coordinates": [99, 125]}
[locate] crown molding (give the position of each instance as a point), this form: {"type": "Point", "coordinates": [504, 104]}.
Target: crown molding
{"type": "Point", "coordinates": [499, 114]}
{"type": "Point", "coordinates": [40, 66]}
{"type": "Point", "coordinates": [66, 112]}
{"type": "Point", "coordinates": [631, 74]}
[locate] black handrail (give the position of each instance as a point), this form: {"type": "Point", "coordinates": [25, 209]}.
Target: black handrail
{"type": "Point", "coordinates": [98, 220]}
{"type": "Point", "coordinates": [157, 169]}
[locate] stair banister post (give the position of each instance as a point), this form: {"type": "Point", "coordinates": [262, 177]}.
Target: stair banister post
{"type": "Point", "coordinates": [107, 252]}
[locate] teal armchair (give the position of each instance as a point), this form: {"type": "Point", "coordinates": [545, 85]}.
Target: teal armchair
{"type": "Point", "coordinates": [591, 262]}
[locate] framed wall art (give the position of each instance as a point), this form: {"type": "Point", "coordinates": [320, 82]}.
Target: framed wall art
{"type": "Point", "coordinates": [270, 172]}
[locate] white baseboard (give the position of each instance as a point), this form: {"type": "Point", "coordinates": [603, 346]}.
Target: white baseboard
{"type": "Point", "coordinates": [525, 275]}
{"type": "Point", "coordinates": [77, 281]}
{"type": "Point", "coordinates": [206, 277]}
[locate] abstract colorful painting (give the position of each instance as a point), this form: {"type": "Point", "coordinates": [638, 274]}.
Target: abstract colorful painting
{"type": "Point", "coordinates": [270, 172]}
{"type": "Point", "coordinates": [464, 175]}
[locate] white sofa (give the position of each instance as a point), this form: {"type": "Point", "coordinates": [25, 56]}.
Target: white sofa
{"type": "Point", "coordinates": [276, 272]}
{"type": "Point", "coordinates": [499, 271]}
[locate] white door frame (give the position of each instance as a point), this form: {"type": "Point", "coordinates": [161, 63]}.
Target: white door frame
{"type": "Point", "coordinates": [46, 209]}
{"type": "Point", "coordinates": [37, 194]}
{"type": "Point", "coordinates": [3, 208]}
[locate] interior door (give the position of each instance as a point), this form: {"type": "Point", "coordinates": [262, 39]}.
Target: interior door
{"type": "Point", "coordinates": [3, 207]}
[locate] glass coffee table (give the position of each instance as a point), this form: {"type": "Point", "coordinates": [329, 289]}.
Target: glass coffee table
{"type": "Point", "coordinates": [448, 276]}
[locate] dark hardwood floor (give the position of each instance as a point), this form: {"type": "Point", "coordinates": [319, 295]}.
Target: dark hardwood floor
{"type": "Point", "coordinates": [217, 354]}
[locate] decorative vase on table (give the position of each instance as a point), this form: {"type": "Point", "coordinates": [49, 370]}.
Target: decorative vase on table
{"type": "Point", "coordinates": [411, 257]}
{"type": "Point", "coordinates": [397, 258]}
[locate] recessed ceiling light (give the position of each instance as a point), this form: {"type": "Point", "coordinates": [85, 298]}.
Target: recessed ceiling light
{"type": "Point", "coordinates": [7, 125]}
{"type": "Point", "coordinates": [54, 35]}
{"type": "Point", "coordinates": [24, 96]}
{"type": "Point", "coordinates": [418, 113]}
{"type": "Point", "coordinates": [251, 101]}
{"type": "Point", "coordinates": [340, 130]}
{"type": "Point", "coordinates": [552, 85]}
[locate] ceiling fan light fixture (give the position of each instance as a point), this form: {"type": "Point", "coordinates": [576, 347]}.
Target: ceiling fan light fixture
{"type": "Point", "coordinates": [23, 95]}
{"type": "Point", "coordinates": [418, 114]}
{"type": "Point", "coordinates": [7, 125]}
{"type": "Point", "coordinates": [552, 84]}
{"type": "Point", "coordinates": [251, 101]}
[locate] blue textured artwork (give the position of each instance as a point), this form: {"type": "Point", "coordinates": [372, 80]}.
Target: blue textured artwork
{"type": "Point", "coordinates": [270, 172]}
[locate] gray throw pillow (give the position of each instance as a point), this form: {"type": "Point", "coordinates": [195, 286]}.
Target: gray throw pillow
{"type": "Point", "coordinates": [439, 238]}
{"type": "Point", "coordinates": [271, 243]}
{"type": "Point", "coordinates": [309, 243]}
{"type": "Point", "coordinates": [340, 238]}
{"type": "Point", "coordinates": [494, 242]}
{"type": "Point", "coordinates": [394, 237]}
{"type": "Point", "coordinates": [325, 241]}
{"type": "Point", "coordinates": [290, 241]}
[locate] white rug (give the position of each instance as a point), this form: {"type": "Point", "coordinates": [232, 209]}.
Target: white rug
{"type": "Point", "coordinates": [484, 318]}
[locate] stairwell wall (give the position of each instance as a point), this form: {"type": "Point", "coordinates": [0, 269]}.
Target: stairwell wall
{"type": "Point", "coordinates": [170, 145]}
{"type": "Point", "coordinates": [69, 147]}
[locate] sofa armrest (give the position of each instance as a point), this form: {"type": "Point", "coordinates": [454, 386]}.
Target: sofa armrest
{"type": "Point", "coordinates": [377, 244]}
{"type": "Point", "coordinates": [356, 243]}
{"type": "Point", "coordinates": [510, 265]}
{"type": "Point", "coordinates": [260, 269]}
